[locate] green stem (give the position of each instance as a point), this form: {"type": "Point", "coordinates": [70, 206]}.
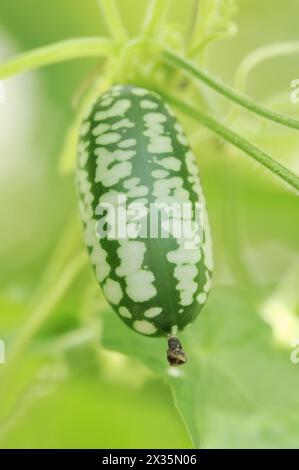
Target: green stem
{"type": "Point", "coordinates": [156, 13]}
{"type": "Point", "coordinates": [113, 20]}
{"type": "Point", "coordinates": [242, 100]}
{"type": "Point", "coordinates": [279, 170]}
{"type": "Point", "coordinates": [205, 15]}
{"type": "Point", "coordinates": [192, 22]}
{"type": "Point", "coordinates": [57, 52]}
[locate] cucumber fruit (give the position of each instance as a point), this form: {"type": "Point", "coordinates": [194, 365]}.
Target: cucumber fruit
{"type": "Point", "coordinates": [133, 154]}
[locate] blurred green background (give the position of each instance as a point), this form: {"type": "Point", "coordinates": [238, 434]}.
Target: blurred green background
{"type": "Point", "coordinates": [67, 389]}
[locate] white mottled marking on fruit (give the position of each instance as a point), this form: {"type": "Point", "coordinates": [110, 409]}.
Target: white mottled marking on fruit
{"type": "Point", "coordinates": [138, 191]}
{"type": "Point", "coordinates": [116, 173]}
{"type": "Point", "coordinates": [185, 271]}
{"type": "Point", "coordinates": [180, 134]}
{"type": "Point", "coordinates": [201, 298]}
{"type": "Point", "coordinates": [182, 195]}
{"type": "Point", "coordinates": [85, 211]}
{"type": "Point", "coordinates": [152, 312]}
{"type": "Point", "coordinates": [112, 291]}
{"type": "Point", "coordinates": [159, 174]}
{"type": "Point", "coordinates": [191, 163]}
{"type": "Point", "coordinates": [89, 233]}
{"type": "Point", "coordinates": [88, 198]}
{"type": "Point", "coordinates": [127, 143]}
{"type": "Point", "coordinates": [208, 283]}
{"type": "Point", "coordinates": [140, 285]}
{"type": "Point", "coordinates": [113, 175]}
{"type": "Point", "coordinates": [131, 183]}
{"type": "Point", "coordinates": [115, 91]}
{"type": "Point", "coordinates": [123, 123]}
{"type": "Point", "coordinates": [131, 254]}
{"type": "Point", "coordinates": [110, 197]}
{"type": "Point", "coordinates": [133, 189]}
{"type": "Point", "coordinates": [107, 94]}
{"type": "Point", "coordinates": [169, 163]}
{"type": "Point", "coordinates": [186, 298]}
{"type": "Point", "coordinates": [84, 128]}
{"type": "Point", "coordinates": [138, 281]}
{"type": "Point", "coordinates": [147, 104]}
{"type": "Point", "coordinates": [182, 139]}
{"type": "Point", "coordinates": [83, 182]}
{"type": "Point", "coordinates": [124, 154]}
{"type": "Point", "coordinates": [107, 102]}
{"type": "Point", "coordinates": [97, 254]}
{"type": "Point", "coordinates": [98, 258]}
{"type": "Point", "coordinates": [194, 174]}
{"type": "Point", "coordinates": [139, 91]}
{"type": "Point", "coordinates": [84, 190]}
{"type": "Point", "coordinates": [178, 127]}
{"type": "Point", "coordinates": [119, 108]}
{"type": "Point", "coordinates": [101, 129]}
{"type": "Point", "coordinates": [170, 111]}
{"type": "Point", "coordinates": [145, 327]}
{"type": "Point", "coordinates": [152, 119]}
{"type": "Point", "coordinates": [124, 312]}
{"type": "Point", "coordinates": [117, 87]}
{"type": "Point", "coordinates": [158, 141]}
{"type": "Point", "coordinates": [88, 111]}
{"type": "Point", "coordinates": [83, 153]}
{"type": "Point", "coordinates": [109, 175]}
{"type": "Point", "coordinates": [153, 132]}
{"type": "Point", "coordinates": [163, 187]}
{"type": "Point", "coordinates": [183, 256]}
{"type": "Point", "coordinates": [109, 138]}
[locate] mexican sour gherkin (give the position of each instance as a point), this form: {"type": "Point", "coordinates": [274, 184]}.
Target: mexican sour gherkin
{"type": "Point", "coordinates": [133, 156]}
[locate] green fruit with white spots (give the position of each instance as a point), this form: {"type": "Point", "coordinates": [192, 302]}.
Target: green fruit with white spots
{"type": "Point", "coordinates": [132, 147]}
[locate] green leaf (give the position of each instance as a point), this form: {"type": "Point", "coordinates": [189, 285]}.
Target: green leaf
{"type": "Point", "coordinates": [237, 389]}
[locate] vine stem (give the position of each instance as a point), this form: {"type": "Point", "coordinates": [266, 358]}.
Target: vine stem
{"type": "Point", "coordinates": [155, 15]}
{"type": "Point", "coordinates": [113, 20]}
{"type": "Point", "coordinates": [192, 22]}
{"type": "Point", "coordinates": [205, 14]}
{"type": "Point", "coordinates": [238, 98]}
{"type": "Point", "coordinates": [57, 52]}
{"type": "Point", "coordinates": [215, 126]}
